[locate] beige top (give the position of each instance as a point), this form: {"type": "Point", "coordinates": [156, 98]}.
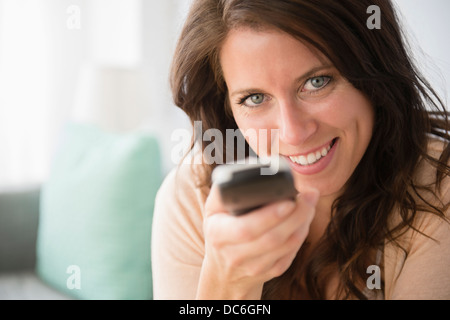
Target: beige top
{"type": "Point", "coordinates": [178, 244]}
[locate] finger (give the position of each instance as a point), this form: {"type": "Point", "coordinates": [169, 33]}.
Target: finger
{"type": "Point", "coordinates": [306, 204]}
{"type": "Point", "coordinates": [248, 227]}
{"type": "Point", "coordinates": [300, 218]}
{"type": "Point", "coordinates": [275, 262]}
{"type": "Point", "coordinates": [213, 202]}
{"type": "Point", "coordinates": [292, 231]}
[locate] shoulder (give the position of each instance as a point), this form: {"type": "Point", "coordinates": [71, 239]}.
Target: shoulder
{"type": "Point", "coordinates": [426, 174]}
{"type": "Point", "coordinates": [416, 263]}
{"type": "Point", "coordinates": [182, 186]}
{"type": "Point", "coordinates": [428, 194]}
{"type": "Point", "coordinates": [435, 148]}
{"type": "Point", "coordinates": [179, 205]}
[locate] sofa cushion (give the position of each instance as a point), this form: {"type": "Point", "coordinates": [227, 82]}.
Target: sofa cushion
{"type": "Point", "coordinates": [19, 215]}
{"type": "Point", "coordinates": [96, 214]}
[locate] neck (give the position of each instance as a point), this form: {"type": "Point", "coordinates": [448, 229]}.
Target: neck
{"type": "Point", "coordinates": [322, 218]}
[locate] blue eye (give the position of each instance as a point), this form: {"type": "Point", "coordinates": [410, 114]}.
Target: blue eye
{"type": "Point", "coordinates": [253, 100]}
{"type": "Point", "coordinates": [257, 98]}
{"type": "Point", "coordinates": [316, 83]}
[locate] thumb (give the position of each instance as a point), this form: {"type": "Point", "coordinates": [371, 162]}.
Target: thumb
{"type": "Point", "coordinates": [214, 202]}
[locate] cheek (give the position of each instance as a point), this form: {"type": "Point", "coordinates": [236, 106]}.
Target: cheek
{"type": "Point", "coordinates": [360, 116]}
{"type": "Point", "coordinates": [352, 115]}
{"type": "Point", "coordinates": [349, 110]}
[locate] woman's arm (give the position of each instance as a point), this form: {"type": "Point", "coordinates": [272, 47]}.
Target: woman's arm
{"type": "Point", "coordinates": [177, 237]}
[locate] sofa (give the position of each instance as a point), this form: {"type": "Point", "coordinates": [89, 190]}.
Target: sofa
{"type": "Point", "coordinates": [19, 218]}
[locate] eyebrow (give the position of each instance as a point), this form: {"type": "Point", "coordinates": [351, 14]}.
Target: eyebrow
{"type": "Point", "coordinates": [303, 77]}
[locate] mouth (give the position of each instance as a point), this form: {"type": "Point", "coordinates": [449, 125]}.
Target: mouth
{"type": "Point", "coordinates": [313, 157]}
{"type": "Point", "coordinates": [314, 161]}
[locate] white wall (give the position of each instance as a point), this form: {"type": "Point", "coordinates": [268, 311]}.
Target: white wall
{"type": "Point", "coordinates": [44, 45]}
{"type": "Point", "coordinates": [428, 25]}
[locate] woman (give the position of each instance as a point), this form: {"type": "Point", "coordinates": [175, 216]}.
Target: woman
{"type": "Point", "coordinates": [366, 138]}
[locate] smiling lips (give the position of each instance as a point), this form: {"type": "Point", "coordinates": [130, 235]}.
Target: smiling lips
{"type": "Point", "coordinates": [313, 157]}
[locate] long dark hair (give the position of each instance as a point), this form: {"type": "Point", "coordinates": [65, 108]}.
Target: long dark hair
{"type": "Point", "coordinates": [374, 61]}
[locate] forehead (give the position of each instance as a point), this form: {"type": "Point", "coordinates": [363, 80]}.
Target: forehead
{"type": "Point", "coordinates": [249, 54]}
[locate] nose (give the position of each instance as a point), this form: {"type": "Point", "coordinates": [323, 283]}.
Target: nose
{"type": "Point", "coordinates": [295, 124]}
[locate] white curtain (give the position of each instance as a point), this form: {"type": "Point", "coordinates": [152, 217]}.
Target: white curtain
{"type": "Point", "coordinates": [24, 92]}
{"type": "Point", "coordinates": [427, 25]}
{"type": "Point", "coordinates": [43, 46]}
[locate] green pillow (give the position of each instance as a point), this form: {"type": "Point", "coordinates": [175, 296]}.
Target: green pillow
{"type": "Point", "coordinates": [96, 214]}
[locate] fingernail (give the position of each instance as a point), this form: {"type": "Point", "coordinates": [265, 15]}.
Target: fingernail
{"type": "Point", "coordinates": [285, 208]}
{"type": "Point", "coordinates": [311, 197]}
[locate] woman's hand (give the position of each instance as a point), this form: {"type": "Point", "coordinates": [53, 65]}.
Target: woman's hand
{"type": "Point", "coordinates": [243, 252]}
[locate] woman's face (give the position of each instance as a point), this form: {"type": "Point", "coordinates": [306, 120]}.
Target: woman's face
{"type": "Point", "coordinates": [277, 84]}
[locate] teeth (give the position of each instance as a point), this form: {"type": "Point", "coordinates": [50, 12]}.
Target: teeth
{"type": "Point", "coordinates": [302, 160]}
{"type": "Point", "coordinates": [312, 157]}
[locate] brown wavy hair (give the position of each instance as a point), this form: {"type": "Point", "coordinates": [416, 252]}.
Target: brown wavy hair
{"type": "Point", "coordinates": [375, 61]}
